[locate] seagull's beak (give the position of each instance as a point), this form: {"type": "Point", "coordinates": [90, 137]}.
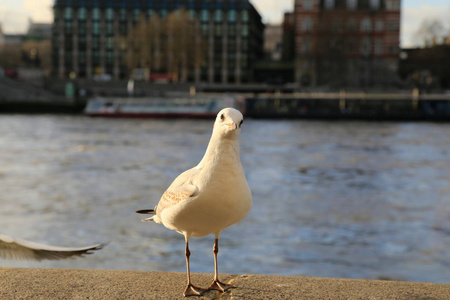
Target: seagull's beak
{"type": "Point", "coordinates": [232, 126]}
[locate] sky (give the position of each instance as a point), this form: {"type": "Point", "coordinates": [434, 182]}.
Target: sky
{"type": "Point", "coordinates": [14, 14]}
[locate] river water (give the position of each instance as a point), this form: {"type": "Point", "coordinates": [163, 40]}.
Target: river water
{"type": "Point", "coordinates": [335, 199]}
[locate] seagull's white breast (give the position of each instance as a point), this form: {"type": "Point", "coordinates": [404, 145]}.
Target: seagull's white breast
{"type": "Point", "coordinates": [224, 198]}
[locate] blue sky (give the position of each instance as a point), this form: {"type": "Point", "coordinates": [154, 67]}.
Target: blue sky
{"type": "Point", "coordinates": [14, 14]}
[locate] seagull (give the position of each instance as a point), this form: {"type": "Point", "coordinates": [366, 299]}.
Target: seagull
{"type": "Point", "coordinates": [209, 197]}
{"type": "Point", "coordinates": [14, 248]}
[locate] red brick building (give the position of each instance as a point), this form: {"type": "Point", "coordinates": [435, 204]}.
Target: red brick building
{"type": "Point", "coordinates": [343, 43]}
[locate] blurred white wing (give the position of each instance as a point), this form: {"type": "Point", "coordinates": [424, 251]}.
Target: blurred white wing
{"type": "Point", "coordinates": [12, 248]}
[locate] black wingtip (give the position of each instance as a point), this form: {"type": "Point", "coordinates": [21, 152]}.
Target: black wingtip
{"type": "Point", "coordinates": [146, 211]}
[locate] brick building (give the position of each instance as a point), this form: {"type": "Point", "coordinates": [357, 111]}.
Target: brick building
{"type": "Point", "coordinates": [342, 43]}
{"type": "Point", "coordinates": [85, 35]}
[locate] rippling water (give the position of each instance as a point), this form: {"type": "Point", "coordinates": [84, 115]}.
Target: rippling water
{"type": "Point", "coordinates": [336, 199]}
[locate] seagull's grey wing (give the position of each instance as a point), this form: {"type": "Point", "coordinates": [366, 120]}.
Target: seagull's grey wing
{"type": "Point", "coordinates": [12, 248]}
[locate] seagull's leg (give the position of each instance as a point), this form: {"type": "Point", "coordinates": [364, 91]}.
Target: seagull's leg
{"type": "Point", "coordinates": [191, 290]}
{"type": "Point", "coordinates": [216, 284]}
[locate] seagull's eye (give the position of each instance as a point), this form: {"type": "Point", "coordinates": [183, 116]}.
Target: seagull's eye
{"type": "Point", "coordinates": [222, 117]}
{"type": "Point", "coordinates": [240, 124]}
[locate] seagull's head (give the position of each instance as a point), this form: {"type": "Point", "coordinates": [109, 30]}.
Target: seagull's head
{"type": "Point", "coordinates": [228, 123]}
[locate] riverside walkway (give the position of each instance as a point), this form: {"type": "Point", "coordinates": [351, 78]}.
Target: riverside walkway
{"type": "Point", "coordinates": [16, 283]}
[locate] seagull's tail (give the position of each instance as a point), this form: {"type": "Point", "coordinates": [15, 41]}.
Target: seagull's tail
{"type": "Point", "coordinates": [147, 212]}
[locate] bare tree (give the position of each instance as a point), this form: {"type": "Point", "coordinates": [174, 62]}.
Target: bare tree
{"type": "Point", "coordinates": [137, 45]}
{"type": "Point", "coordinates": [185, 45]}
{"type": "Point", "coordinates": [431, 32]}
{"type": "Point", "coordinates": [172, 45]}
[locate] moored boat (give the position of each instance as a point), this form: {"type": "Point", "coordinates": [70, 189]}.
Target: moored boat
{"type": "Point", "coordinates": [162, 107]}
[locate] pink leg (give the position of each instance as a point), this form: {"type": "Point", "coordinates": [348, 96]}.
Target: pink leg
{"type": "Point", "coordinates": [216, 284]}
{"type": "Point", "coordinates": [191, 290]}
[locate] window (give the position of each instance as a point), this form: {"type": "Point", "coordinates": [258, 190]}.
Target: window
{"type": "Point", "coordinates": [192, 14]}
{"type": "Point", "coordinates": [392, 26]}
{"type": "Point", "coordinates": [96, 28]}
{"type": "Point", "coordinates": [123, 29]}
{"type": "Point", "coordinates": [366, 25]}
{"type": "Point", "coordinates": [218, 29]}
{"type": "Point", "coordinates": [68, 27]}
{"type": "Point", "coordinates": [308, 4]}
{"type": "Point", "coordinates": [350, 47]}
{"type": "Point", "coordinates": [392, 5]}
{"type": "Point", "coordinates": [205, 29]}
{"type": "Point", "coordinates": [82, 57]}
{"type": "Point", "coordinates": [109, 43]}
{"type": "Point", "coordinates": [109, 28]}
{"type": "Point", "coordinates": [136, 13]}
{"type": "Point", "coordinates": [379, 25]}
{"type": "Point", "coordinates": [68, 12]}
{"type": "Point", "coordinates": [218, 16]}
{"type": "Point", "coordinates": [365, 46]}
{"type": "Point", "coordinates": [378, 46]}
{"type": "Point", "coordinates": [337, 26]}
{"type": "Point", "coordinates": [82, 28]}
{"type": "Point", "coordinates": [244, 16]}
{"type": "Point", "coordinates": [307, 24]}
{"type": "Point", "coordinates": [109, 14]}
{"type": "Point", "coordinates": [82, 13]}
{"type": "Point", "coordinates": [231, 30]}
{"type": "Point", "coordinates": [123, 14]}
{"type": "Point", "coordinates": [375, 4]}
{"type": "Point", "coordinates": [244, 61]}
{"type": "Point", "coordinates": [244, 30]}
{"type": "Point", "coordinates": [393, 49]}
{"type": "Point", "coordinates": [95, 42]}
{"type": "Point", "coordinates": [232, 16]}
{"type": "Point", "coordinates": [352, 4]}
{"type": "Point", "coordinates": [204, 15]}
{"type": "Point", "coordinates": [306, 45]}
{"type": "Point", "coordinates": [82, 42]}
{"type": "Point", "coordinates": [96, 13]}
{"type": "Point", "coordinates": [351, 25]}
{"type": "Point", "coordinates": [329, 4]}
{"type": "Point", "coordinates": [244, 45]}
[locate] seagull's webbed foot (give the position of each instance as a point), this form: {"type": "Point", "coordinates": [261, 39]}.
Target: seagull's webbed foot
{"type": "Point", "coordinates": [220, 286]}
{"type": "Point", "coordinates": [192, 290]}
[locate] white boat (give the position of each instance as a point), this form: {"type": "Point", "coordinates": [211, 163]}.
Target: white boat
{"type": "Point", "coordinates": [162, 107]}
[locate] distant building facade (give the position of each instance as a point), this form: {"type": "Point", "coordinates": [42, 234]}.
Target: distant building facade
{"type": "Point", "coordinates": [42, 31]}
{"type": "Point", "coordinates": [426, 68]}
{"type": "Point", "coordinates": [347, 42]}
{"type": "Point", "coordinates": [85, 36]}
{"type": "Point", "coordinates": [273, 42]}
{"type": "Point", "coordinates": [288, 37]}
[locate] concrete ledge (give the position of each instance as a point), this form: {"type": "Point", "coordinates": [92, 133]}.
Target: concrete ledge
{"type": "Point", "coordinates": [99, 284]}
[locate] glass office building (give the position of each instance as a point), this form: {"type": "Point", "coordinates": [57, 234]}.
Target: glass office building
{"type": "Point", "coordinates": [85, 37]}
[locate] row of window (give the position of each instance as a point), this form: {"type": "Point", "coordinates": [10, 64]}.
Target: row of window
{"type": "Point", "coordinates": [123, 29]}
{"type": "Point", "coordinates": [110, 44]}
{"type": "Point", "coordinates": [365, 46]}
{"type": "Point", "coordinates": [109, 60]}
{"type": "Point", "coordinates": [152, 3]}
{"type": "Point", "coordinates": [218, 15]}
{"type": "Point", "coordinates": [366, 25]}
{"type": "Point", "coordinates": [351, 4]}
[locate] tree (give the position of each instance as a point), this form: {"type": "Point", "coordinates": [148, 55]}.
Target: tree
{"type": "Point", "coordinates": [430, 32]}
{"type": "Point", "coordinates": [172, 45]}
{"type": "Point", "coordinates": [181, 32]}
{"type": "Point", "coordinates": [137, 45]}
